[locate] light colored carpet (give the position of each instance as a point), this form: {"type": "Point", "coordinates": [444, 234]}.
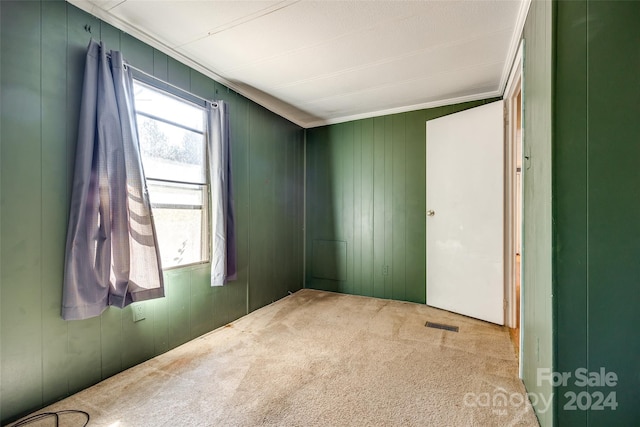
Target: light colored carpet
{"type": "Point", "coordinates": [321, 359]}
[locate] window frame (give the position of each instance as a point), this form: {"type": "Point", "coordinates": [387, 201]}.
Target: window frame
{"type": "Point", "coordinates": [205, 246]}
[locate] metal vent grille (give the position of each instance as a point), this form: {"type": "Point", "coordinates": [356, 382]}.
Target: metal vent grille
{"type": "Point", "coordinates": [441, 326]}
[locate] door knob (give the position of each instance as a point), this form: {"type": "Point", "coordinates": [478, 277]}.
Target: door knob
{"type": "Point", "coordinates": [431, 213]}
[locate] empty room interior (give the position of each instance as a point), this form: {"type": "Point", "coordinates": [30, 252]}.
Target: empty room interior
{"type": "Point", "coordinates": [329, 213]}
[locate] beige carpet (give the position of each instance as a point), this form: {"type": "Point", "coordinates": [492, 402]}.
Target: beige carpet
{"type": "Point", "coordinates": [321, 359]}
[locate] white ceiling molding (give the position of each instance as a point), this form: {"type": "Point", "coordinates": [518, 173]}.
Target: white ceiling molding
{"type": "Point", "coordinates": [324, 62]}
{"type": "Point", "coordinates": [514, 48]}
{"type": "Point", "coordinates": [434, 104]}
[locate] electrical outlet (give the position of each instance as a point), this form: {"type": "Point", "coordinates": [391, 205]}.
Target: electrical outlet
{"type": "Point", "coordinates": [138, 312]}
{"type": "Point", "coordinates": [385, 270]}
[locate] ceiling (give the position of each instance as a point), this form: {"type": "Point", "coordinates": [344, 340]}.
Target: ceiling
{"type": "Point", "coordinates": [323, 62]}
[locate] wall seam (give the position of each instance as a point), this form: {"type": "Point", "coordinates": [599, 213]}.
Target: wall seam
{"type": "Point", "coordinates": [587, 195]}
{"type": "Point", "coordinates": [248, 160]}
{"type": "Point", "coordinates": [1, 116]}
{"type": "Point", "coordinates": [68, 195]}
{"type": "Point", "coordinates": [304, 209]}
{"type": "Point", "coordinates": [41, 230]}
{"type": "Point", "coordinates": [404, 183]}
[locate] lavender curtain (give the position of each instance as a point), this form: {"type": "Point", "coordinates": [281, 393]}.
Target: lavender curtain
{"type": "Point", "coordinates": [111, 253]}
{"type": "Point", "coordinates": [222, 226]}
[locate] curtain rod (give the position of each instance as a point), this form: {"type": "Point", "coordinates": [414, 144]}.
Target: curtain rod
{"type": "Point", "coordinates": [144, 73]}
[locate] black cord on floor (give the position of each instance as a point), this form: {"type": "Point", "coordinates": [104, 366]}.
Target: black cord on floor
{"type": "Point", "coordinates": [56, 415]}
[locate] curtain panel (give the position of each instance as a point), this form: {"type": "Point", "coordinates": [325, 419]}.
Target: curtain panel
{"type": "Point", "coordinates": [111, 254]}
{"type": "Point", "coordinates": [222, 222]}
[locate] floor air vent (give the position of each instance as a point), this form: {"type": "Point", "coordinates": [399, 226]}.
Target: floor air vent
{"type": "Point", "coordinates": [441, 326]}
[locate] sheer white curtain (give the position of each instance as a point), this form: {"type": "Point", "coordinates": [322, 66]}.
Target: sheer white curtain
{"type": "Point", "coordinates": [111, 253]}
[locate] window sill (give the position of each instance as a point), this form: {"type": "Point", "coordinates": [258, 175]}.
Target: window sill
{"type": "Point", "coordinates": [191, 266]}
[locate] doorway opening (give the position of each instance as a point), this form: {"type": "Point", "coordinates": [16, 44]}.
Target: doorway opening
{"type": "Point", "coordinates": [513, 204]}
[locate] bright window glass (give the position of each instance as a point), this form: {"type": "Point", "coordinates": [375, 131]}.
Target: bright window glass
{"type": "Point", "coordinates": [172, 144]}
{"type": "Point", "coordinates": [170, 152]}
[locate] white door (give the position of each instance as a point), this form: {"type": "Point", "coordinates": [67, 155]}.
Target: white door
{"type": "Point", "coordinates": [465, 208]}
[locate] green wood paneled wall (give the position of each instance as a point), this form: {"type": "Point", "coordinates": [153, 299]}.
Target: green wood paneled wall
{"type": "Point", "coordinates": [597, 202]}
{"type": "Point", "coordinates": [45, 358]}
{"type": "Point", "coordinates": [537, 325]}
{"type": "Point", "coordinates": [366, 187]}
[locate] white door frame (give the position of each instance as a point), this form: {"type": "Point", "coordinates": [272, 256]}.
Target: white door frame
{"type": "Point", "coordinates": [514, 85]}
{"type": "Point", "coordinates": [512, 88]}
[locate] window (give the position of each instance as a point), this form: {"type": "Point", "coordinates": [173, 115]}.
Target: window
{"type": "Point", "coordinates": [172, 145]}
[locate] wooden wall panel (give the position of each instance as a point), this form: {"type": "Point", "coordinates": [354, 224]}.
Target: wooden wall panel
{"type": "Point", "coordinates": [55, 195]}
{"type": "Point", "coordinates": [537, 326]}
{"type": "Point", "coordinates": [21, 204]}
{"type": "Point", "coordinates": [415, 202]}
{"type": "Point", "coordinates": [570, 210]}
{"type": "Point", "coordinates": [275, 163]}
{"type": "Point", "coordinates": [596, 184]}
